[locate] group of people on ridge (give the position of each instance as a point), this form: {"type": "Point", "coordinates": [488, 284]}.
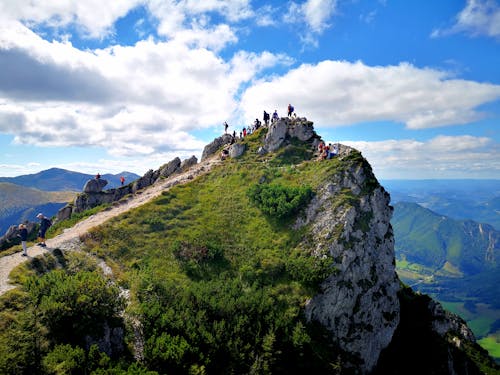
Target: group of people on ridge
{"type": "Point", "coordinates": [327, 152]}
{"type": "Point", "coordinates": [257, 123]}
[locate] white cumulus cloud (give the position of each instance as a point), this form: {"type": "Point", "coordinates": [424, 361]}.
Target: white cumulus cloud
{"type": "Point", "coordinates": [138, 99]}
{"type": "Point", "coordinates": [479, 17]}
{"type": "Point", "coordinates": [440, 157]}
{"type": "Point", "coordinates": [342, 93]}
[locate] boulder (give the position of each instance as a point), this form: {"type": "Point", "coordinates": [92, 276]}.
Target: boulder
{"type": "Point", "coordinates": [94, 185]}
{"type": "Point", "coordinates": [64, 213]}
{"type": "Point", "coordinates": [216, 144]}
{"type": "Point", "coordinates": [276, 135]}
{"type": "Point", "coordinates": [188, 163]}
{"type": "Point", "coordinates": [236, 150]}
{"type": "Point", "coordinates": [170, 168]}
{"type": "Point", "coordinates": [303, 130]}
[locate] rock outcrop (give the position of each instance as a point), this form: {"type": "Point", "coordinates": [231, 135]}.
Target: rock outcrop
{"type": "Point", "coordinates": [358, 302]}
{"type": "Point", "coordinates": [94, 185]}
{"type": "Point", "coordinates": [236, 150]}
{"type": "Point", "coordinates": [93, 195]}
{"type": "Point", "coordinates": [11, 236]}
{"type": "Point", "coordinates": [285, 128]}
{"type": "Point", "coordinates": [216, 144]}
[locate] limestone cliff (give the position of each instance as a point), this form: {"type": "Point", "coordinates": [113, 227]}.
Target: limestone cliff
{"type": "Point", "coordinates": [350, 222]}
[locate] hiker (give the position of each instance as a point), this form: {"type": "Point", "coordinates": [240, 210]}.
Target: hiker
{"type": "Point", "coordinates": [45, 223]}
{"type": "Point", "coordinates": [224, 154]}
{"type": "Point", "coordinates": [23, 233]}
{"type": "Point", "coordinates": [275, 116]}
{"type": "Point", "coordinates": [290, 110]}
{"type": "Point", "coordinates": [266, 118]}
{"type": "Point", "coordinates": [97, 176]}
{"type": "Point", "coordinates": [122, 180]}
{"type": "Point", "coordinates": [244, 132]}
{"type": "Point", "coordinates": [257, 123]}
{"type": "Point", "coordinates": [234, 135]}
{"type": "Point", "coordinates": [225, 127]}
{"type": "Point", "coordinates": [333, 151]}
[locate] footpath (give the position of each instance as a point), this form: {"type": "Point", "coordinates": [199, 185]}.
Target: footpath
{"type": "Point", "coordinates": [70, 238]}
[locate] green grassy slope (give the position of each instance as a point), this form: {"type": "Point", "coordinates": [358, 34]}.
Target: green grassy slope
{"type": "Point", "coordinates": [217, 286]}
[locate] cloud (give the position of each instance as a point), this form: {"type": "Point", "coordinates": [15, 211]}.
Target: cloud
{"type": "Point", "coordinates": [479, 17]}
{"type": "Point", "coordinates": [315, 13]}
{"type": "Point", "coordinates": [440, 157]}
{"type": "Point", "coordinates": [191, 21]}
{"type": "Point", "coordinates": [140, 99]}
{"type": "Point", "coordinates": [341, 93]}
{"type": "Point", "coordinates": [60, 14]}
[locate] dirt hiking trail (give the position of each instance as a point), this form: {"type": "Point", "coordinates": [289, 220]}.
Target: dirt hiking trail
{"type": "Point", "coordinates": [70, 238]}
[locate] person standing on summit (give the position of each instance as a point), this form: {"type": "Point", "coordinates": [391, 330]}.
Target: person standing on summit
{"type": "Point", "coordinates": [290, 110]}
{"type": "Point", "coordinates": [45, 223]}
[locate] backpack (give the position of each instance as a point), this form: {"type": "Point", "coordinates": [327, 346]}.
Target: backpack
{"type": "Point", "coordinates": [47, 223]}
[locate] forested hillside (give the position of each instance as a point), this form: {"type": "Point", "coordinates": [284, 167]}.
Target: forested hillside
{"type": "Point", "coordinates": [455, 261]}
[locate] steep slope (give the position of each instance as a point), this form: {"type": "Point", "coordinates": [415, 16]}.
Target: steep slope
{"type": "Point", "coordinates": [273, 262]}
{"type": "Point", "coordinates": [442, 244]}
{"type": "Point", "coordinates": [454, 261]}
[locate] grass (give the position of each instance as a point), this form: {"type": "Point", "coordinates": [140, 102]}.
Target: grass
{"type": "Point", "coordinates": [492, 344]}
{"type": "Point", "coordinates": [215, 208]}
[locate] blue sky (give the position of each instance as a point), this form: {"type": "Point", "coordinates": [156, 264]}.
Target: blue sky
{"type": "Point", "coordinates": [105, 87]}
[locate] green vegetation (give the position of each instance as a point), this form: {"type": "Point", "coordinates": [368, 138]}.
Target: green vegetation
{"type": "Point", "coordinates": [59, 227]}
{"type": "Point", "coordinates": [492, 344]}
{"type": "Point", "coordinates": [217, 283]}
{"type": "Point", "coordinates": [217, 279]}
{"type": "Point", "coordinates": [447, 259]}
{"type": "Point", "coordinates": [278, 200]}
{"type": "Point", "coordinates": [63, 305]}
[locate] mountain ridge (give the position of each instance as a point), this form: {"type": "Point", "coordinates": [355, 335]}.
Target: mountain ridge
{"type": "Point", "coordinates": [220, 283]}
{"type": "Point", "coordinates": [58, 179]}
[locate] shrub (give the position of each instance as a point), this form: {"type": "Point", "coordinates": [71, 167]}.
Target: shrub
{"type": "Point", "coordinates": [279, 201]}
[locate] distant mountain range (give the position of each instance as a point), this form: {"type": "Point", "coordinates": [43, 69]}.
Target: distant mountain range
{"type": "Point", "coordinates": [56, 179]}
{"type": "Point", "coordinates": [446, 246]}
{"type": "Point", "coordinates": [455, 261]}
{"type": "Point", "coordinates": [47, 191]}
{"type": "Point", "coordinates": [21, 203]}
{"type": "Point", "coordinates": [477, 200]}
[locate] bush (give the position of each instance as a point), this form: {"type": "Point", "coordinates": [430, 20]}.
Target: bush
{"type": "Point", "coordinates": [279, 201]}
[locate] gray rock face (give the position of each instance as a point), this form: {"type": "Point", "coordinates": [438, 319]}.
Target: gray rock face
{"type": "Point", "coordinates": [215, 145]}
{"type": "Point", "coordinates": [358, 303]}
{"type": "Point", "coordinates": [276, 135]}
{"type": "Point", "coordinates": [286, 128]}
{"type": "Point", "coordinates": [236, 150]}
{"type": "Point", "coordinates": [94, 185]}
{"type": "Point", "coordinates": [445, 322]}
{"type": "Point", "coordinates": [170, 168]}
{"type": "Point", "coordinates": [188, 163]}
